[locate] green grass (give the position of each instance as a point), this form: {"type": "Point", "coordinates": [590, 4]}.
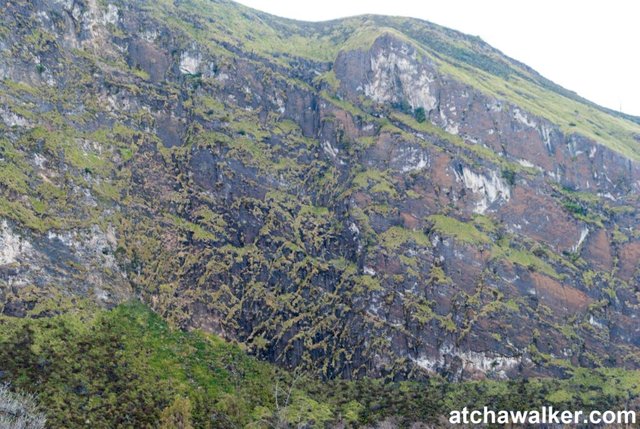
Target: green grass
{"type": "Point", "coordinates": [461, 57]}
{"type": "Point", "coordinates": [329, 78]}
{"type": "Point", "coordinates": [396, 236]}
{"type": "Point", "coordinates": [468, 233]}
{"type": "Point", "coordinates": [127, 366]}
{"type": "Point", "coordinates": [573, 117]}
{"type": "Point", "coordinates": [20, 88]}
{"type": "Point", "coordinates": [476, 150]}
{"type": "Point", "coordinates": [14, 178]}
{"type": "Point", "coordinates": [464, 232]}
{"type": "Point", "coordinates": [198, 232]}
{"type": "Point", "coordinates": [523, 258]}
{"type": "Point", "coordinates": [583, 206]}
{"type": "Point", "coordinates": [354, 110]}
{"type": "Point", "coordinates": [378, 182]}
{"type": "Point", "coordinates": [28, 216]}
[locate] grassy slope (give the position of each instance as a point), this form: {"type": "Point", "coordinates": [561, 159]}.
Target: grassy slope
{"type": "Point", "coordinates": [127, 365]}
{"type": "Point", "coordinates": [463, 57]}
{"type": "Point", "coordinates": [128, 368]}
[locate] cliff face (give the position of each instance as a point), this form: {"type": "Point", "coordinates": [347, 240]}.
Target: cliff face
{"type": "Point", "coordinates": [373, 196]}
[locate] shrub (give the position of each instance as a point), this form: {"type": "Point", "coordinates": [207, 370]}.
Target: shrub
{"type": "Point", "coordinates": [19, 411]}
{"type": "Point", "coordinates": [177, 415]}
{"type": "Point", "coordinates": [509, 175]}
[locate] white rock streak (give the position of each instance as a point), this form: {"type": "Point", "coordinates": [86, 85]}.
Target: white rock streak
{"type": "Point", "coordinates": [583, 236]}
{"type": "Point", "coordinates": [490, 189]}
{"type": "Point", "coordinates": [189, 62]}
{"type": "Point", "coordinates": [472, 361]}
{"type": "Point", "coordinates": [398, 65]}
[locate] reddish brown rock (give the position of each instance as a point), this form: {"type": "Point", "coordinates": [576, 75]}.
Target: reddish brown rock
{"type": "Point", "coordinates": [565, 300]}
{"type": "Point", "coordinates": [629, 260]}
{"type": "Point", "coordinates": [597, 250]}
{"type": "Point", "coordinates": [541, 217]}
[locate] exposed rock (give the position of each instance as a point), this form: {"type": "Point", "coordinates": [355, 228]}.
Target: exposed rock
{"type": "Point", "coordinates": [598, 251]}
{"type": "Point", "coordinates": [190, 62]}
{"type": "Point", "coordinates": [629, 261]}
{"type": "Point", "coordinates": [368, 207]}
{"type": "Point", "coordinates": [12, 247]}
{"type": "Point", "coordinates": [490, 189]}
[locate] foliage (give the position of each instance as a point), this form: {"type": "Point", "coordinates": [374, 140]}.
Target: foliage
{"type": "Point", "coordinates": [258, 227]}
{"type": "Point", "coordinates": [509, 175]}
{"type": "Point", "coordinates": [127, 368]}
{"type": "Point", "coordinates": [19, 411]}
{"type": "Point", "coordinates": [464, 232]}
{"type": "Point", "coordinates": [463, 57]}
{"type": "Point", "coordinates": [177, 415]}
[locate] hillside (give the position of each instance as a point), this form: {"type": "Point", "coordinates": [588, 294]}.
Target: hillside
{"type": "Point", "coordinates": [372, 198]}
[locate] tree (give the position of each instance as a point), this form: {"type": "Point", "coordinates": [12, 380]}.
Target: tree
{"type": "Point", "coordinates": [420, 114]}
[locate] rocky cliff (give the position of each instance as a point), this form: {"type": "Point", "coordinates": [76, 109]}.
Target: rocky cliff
{"type": "Point", "coordinates": [372, 196]}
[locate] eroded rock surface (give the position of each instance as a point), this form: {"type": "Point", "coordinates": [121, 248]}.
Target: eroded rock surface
{"type": "Point", "coordinates": [366, 210]}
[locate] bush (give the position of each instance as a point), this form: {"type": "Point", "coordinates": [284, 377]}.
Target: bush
{"type": "Point", "coordinates": [574, 208]}
{"type": "Point", "coordinates": [420, 115]}
{"type": "Point", "coordinates": [177, 415]}
{"type": "Point", "coordinates": [18, 411]}
{"type": "Point", "coordinates": [510, 176]}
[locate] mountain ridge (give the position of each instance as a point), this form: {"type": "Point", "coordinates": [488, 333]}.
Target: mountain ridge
{"type": "Point", "coordinates": [382, 20]}
{"type": "Point", "coordinates": [378, 205]}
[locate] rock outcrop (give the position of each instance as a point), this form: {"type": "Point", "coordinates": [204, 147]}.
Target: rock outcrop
{"type": "Point", "coordinates": [366, 197]}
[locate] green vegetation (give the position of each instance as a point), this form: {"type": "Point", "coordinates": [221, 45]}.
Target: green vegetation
{"type": "Point", "coordinates": [197, 231]}
{"type": "Point", "coordinates": [329, 78]}
{"type": "Point", "coordinates": [509, 174]}
{"type": "Point", "coordinates": [426, 127]}
{"type": "Point", "coordinates": [468, 233]}
{"type": "Point", "coordinates": [378, 182]}
{"type": "Point", "coordinates": [419, 115]}
{"type": "Point", "coordinates": [438, 276]}
{"type": "Point", "coordinates": [572, 116]}
{"type": "Point", "coordinates": [396, 236]}
{"type": "Point", "coordinates": [354, 110]}
{"type": "Point", "coordinates": [523, 258]}
{"type": "Point", "coordinates": [248, 221]}
{"type": "Point", "coordinates": [465, 232]}
{"type": "Point", "coordinates": [474, 151]}
{"type": "Point", "coordinates": [463, 57]}
{"type": "Point", "coordinates": [583, 206]}
{"type": "Point", "coordinates": [127, 367]}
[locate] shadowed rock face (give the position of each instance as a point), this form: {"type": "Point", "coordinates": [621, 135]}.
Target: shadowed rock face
{"type": "Point", "coordinates": [306, 207]}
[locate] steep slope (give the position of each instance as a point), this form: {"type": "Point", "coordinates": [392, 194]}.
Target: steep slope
{"type": "Point", "coordinates": [366, 197]}
{"type": "Point", "coordinates": [141, 373]}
